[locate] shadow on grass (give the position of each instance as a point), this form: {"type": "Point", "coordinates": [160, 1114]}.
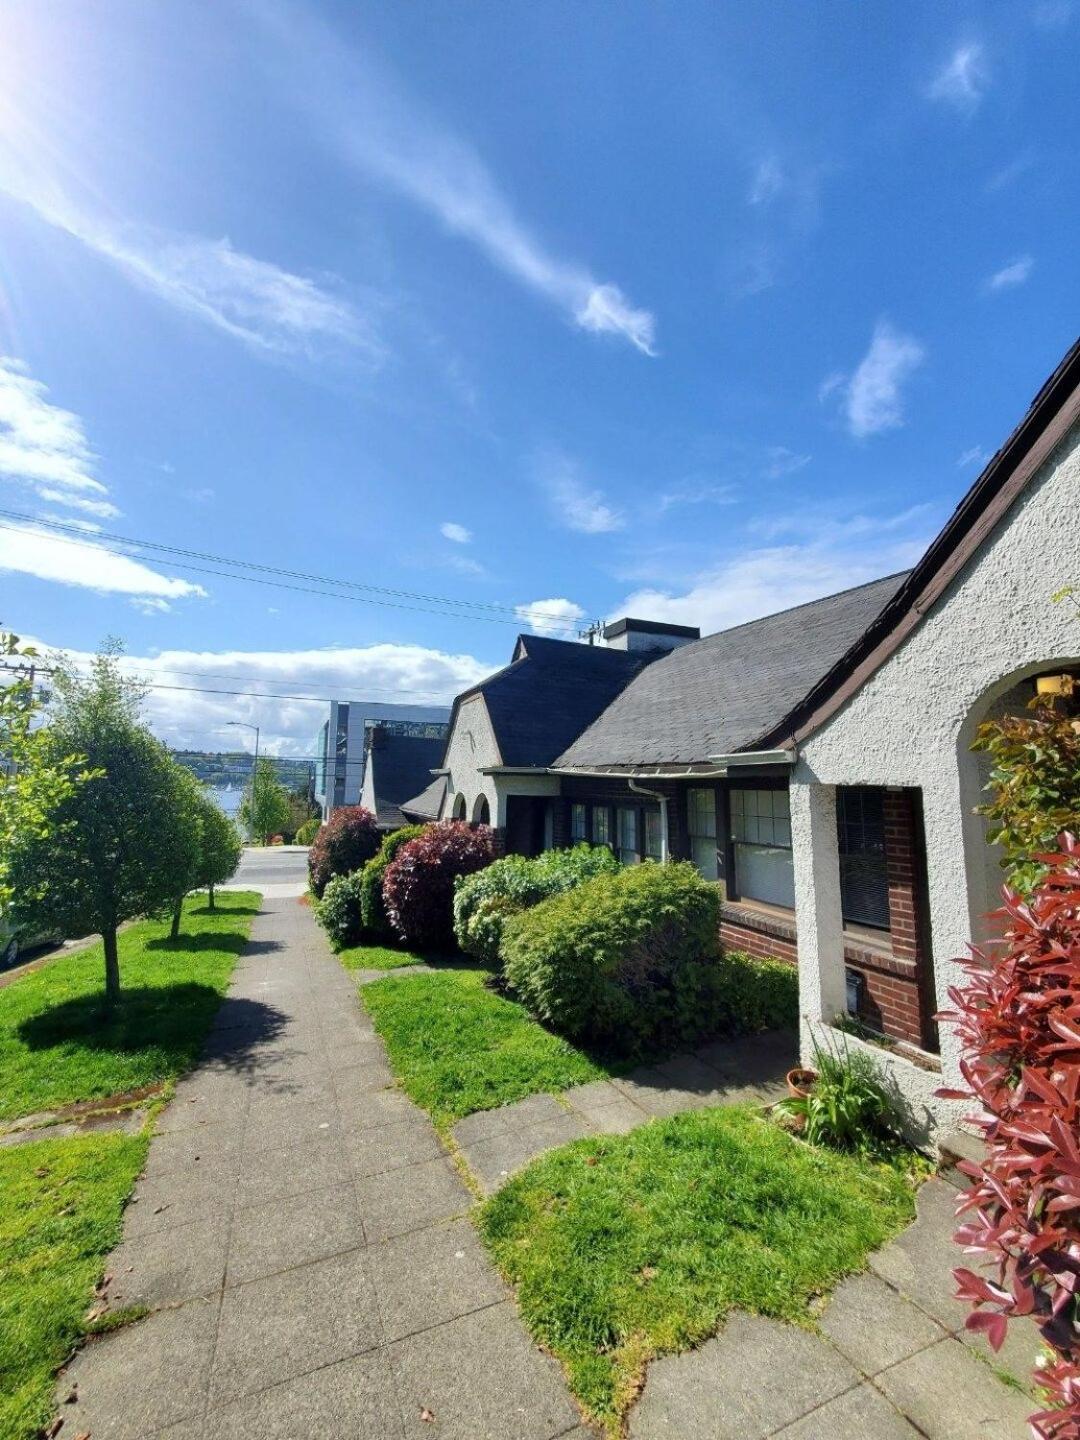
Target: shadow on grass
{"type": "Point", "coordinates": [226, 940]}
{"type": "Point", "coordinates": [223, 910]}
{"type": "Point", "coordinates": [172, 1019]}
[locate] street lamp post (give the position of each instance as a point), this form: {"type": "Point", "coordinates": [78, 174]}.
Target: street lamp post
{"type": "Point", "coordinates": [246, 725]}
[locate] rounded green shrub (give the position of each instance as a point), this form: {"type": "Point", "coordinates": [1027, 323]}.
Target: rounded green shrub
{"type": "Point", "coordinates": [307, 832]}
{"type": "Point", "coordinates": [484, 901]}
{"type": "Point", "coordinates": [339, 910]}
{"type": "Point", "coordinates": [372, 909]}
{"type": "Point", "coordinates": [624, 960]}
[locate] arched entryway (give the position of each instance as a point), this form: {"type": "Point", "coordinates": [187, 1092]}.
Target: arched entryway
{"type": "Point", "coordinates": [458, 812]}
{"type": "Point", "coordinates": [481, 811]}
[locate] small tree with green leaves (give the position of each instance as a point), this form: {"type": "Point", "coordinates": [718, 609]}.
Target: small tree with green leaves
{"type": "Point", "coordinates": [264, 810]}
{"type": "Point", "coordinates": [220, 848]}
{"type": "Point", "coordinates": [121, 845]}
{"type": "Point", "coordinates": [34, 777]}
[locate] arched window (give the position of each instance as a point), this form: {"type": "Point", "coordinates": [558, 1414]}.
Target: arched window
{"type": "Point", "coordinates": [481, 811]}
{"type": "Point", "coordinates": [458, 812]}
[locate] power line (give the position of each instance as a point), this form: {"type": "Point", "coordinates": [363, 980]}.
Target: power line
{"type": "Point", "coordinates": [368, 595]}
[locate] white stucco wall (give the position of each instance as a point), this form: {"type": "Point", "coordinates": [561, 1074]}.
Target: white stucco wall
{"type": "Point", "coordinates": [912, 722]}
{"type": "Point", "coordinates": [472, 747]}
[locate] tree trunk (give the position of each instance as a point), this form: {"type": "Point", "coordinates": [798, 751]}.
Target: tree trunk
{"type": "Point", "coordinates": [112, 967]}
{"type": "Point", "coordinates": [211, 904]}
{"type": "Point", "coordinates": [174, 933]}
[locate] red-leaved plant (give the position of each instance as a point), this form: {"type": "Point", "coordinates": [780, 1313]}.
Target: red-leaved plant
{"type": "Point", "coordinates": [1018, 1019]}
{"type": "Point", "coordinates": [348, 840]}
{"type": "Point", "coordinates": [418, 887]}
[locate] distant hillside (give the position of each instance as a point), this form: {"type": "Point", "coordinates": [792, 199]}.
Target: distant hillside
{"type": "Point", "coordinates": [224, 768]}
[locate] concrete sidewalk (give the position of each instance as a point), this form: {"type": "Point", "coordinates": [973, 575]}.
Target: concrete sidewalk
{"type": "Point", "coordinates": [301, 1240]}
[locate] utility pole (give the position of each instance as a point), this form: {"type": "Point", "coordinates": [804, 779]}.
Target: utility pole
{"type": "Point", "coordinates": [246, 725]}
{"type": "Point", "coordinates": [592, 632]}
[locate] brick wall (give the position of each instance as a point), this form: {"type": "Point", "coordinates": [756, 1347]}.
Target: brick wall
{"type": "Point", "coordinates": [767, 937]}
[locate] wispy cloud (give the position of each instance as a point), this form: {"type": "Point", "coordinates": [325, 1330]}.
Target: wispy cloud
{"type": "Point", "coordinates": [271, 309]}
{"type": "Point", "coordinates": [455, 532]}
{"type": "Point", "coordinates": [694, 492]}
{"type": "Point", "coordinates": [974, 455]}
{"type": "Point", "coordinates": [551, 617]}
{"type": "Point", "coordinates": [1011, 275]}
{"type": "Point", "coordinates": [387, 135]}
{"type": "Point", "coordinates": [767, 181]}
{"type": "Point", "coordinates": [780, 461]}
{"type": "Point", "coordinates": [29, 550]}
{"type": "Point", "coordinates": [576, 505]}
{"type": "Point", "coordinates": [1008, 174]}
{"type": "Point", "coordinates": [872, 396]}
{"type": "Point", "coordinates": [963, 80]}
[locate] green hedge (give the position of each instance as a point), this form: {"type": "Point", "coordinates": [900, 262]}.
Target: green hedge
{"type": "Point", "coordinates": [372, 909]}
{"type": "Point", "coordinates": [307, 832]}
{"type": "Point", "coordinates": [747, 994]}
{"type": "Point", "coordinates": [339, 910]}
{"type": "Point", "coordinates": [485, 901]}
{"type": "Point", "coordinates": [625, 960]}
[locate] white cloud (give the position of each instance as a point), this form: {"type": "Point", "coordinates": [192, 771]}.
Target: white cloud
{"type": "Point", "coordinates": [872, 398]}
{"type": "Point", "coordinates": [410, 674]}
{"type": "Point", "coordinates": [576, 505]}
{"type": "Point", "coordinates": [269, 308]}
{"type": "Point", "coordinates": [764, 580]}
{"type": "Point", "coordinates": [455, 532]}
{"type": "Point", "coordinates": [1012, 274]}
{"type": "Point", "coordinates": [695, 493]}
{"type": "Point", "coordinates": [29, 550]}
{"type": "Point", "coordinates": [42, 445]}
{"type": "Point", "coordinates": [781, 461]}
{"type": "Point", "coordinates": [104, 509]}
{"type": "Point", "coordinates": [551, 617]}
{"type": "Point", "coordinates": [975, 455]}
{"type": "Point", "coordinates": [386, 134]}
{"type": "Point", "coordinates": [963, 80]}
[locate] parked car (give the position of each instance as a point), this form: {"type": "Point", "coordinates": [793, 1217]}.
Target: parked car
{"type": "Point", "coordinates": [16, 940]}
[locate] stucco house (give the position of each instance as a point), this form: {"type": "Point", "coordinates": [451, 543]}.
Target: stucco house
{"type": "Point", "coordinates": [397, 763]}
{"type": "Point", "coordinates": [815, 763]}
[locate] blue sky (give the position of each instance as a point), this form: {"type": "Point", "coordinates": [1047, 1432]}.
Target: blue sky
{"type": "Point", "coordinates": [691, 310]}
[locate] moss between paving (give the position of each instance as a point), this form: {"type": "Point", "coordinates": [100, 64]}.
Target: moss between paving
{"type": "Point", "coordinates": [57, 1044]}
{"type": "Point", "coordinates": [625, 1248]}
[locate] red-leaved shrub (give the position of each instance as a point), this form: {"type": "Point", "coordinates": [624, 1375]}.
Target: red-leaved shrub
{"type": "Point", "coordinates": [347, 841]}
{"type": "Point", "coordinates": [418, 887]}
{"type": "Point", "coordinates": [1018, 1019]}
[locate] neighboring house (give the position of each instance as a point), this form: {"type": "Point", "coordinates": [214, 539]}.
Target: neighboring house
{"type": "Point", "coordinates": [399, 764]}
{"type": "Point", "coordinates": [817, 762]}
{"type": "Point", "coordinates": [341, 745]}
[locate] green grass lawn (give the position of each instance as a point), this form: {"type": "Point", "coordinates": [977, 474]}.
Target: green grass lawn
{"type": "Point", "coordinates": [61, 1203]}
{"type": "Point", "coordinates": [626, 1247]}
{"type": "Point", "coordinates": [456, 1046]}
{"type": "Point", "coordinates": [379, 957]}
{"type": "Point", "coordinates": [58, 1045]}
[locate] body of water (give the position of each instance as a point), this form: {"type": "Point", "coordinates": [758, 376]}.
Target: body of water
{"type": "Point", "coordinates": [228, 799]}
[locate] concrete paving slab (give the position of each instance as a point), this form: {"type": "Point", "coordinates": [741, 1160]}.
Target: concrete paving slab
{"type": "Point", "coordinates": [617, 1119]}
{"type": "Point", "coordinates": [950, 1394]}
{"type": "Point", "coordinates": [493, 1161]}
{"type": "Point", "coordinates": [206, 1146]}
{"type": "Point", "coordinates": [371, 1109]}
{"type": "Point", "coordinates": [294, 1125]}
{"type": "Point", "coordinates": [874, 1327]}
{"type": "Point", "coordinates": [482, 1125]}
{"type": "Point", "coordinates": [390, 1147]}
{"type": "Point", "coordinates": [427, 1278]}
{"type": "Point", "coordinates": [750, 1381]}
{"type": "Point", "coordinates": [284, 1234]}
{"type": "Point", "coordinates": [363, 1078]}
{"type": "Point", "coordinates": [296, 1170]}
{"type": "Point", "coordinates": [163, 1204]}
{"type": "Point", "coordinates": [169, 1266]}
{"type": "Point", "coordinates": [287, 1324]}
{"type": "Point", "coordinates": [652, 1092]}
{"type": "Point", "coordinates": [143, 1377]}
{"type": "Point", "coordinates": [596, 1095]}
{"type": "Point", "coordinates": [860, 1414]}
{"type": "Point", "coordinates": [353, 1400]}
{"type": "Point", "coordinates": [398, 1201]}
{"type": "Point", "coordinates": [482, 1379]}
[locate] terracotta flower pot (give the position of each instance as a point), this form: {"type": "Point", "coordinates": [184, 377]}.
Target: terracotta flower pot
{"type": "Point", "coordinates": [801, 1081]}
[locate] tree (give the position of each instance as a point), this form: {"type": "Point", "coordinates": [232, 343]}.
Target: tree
{"type": "Point", "coordinates": [301, 811]}
{"type": "Point", "coordinates": [34, 777]}
{"type": "Point", "coordinates": [220, 849]}
{"type": "Point", "coordinates": [190, 801]}
{"type": "Point", "coordinates": [122, 843]}
{"type": "Point", "coordinates": [264, 810]}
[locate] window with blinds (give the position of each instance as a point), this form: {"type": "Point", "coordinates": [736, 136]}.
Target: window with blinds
{"type": "Point", "coordinates": [864, 881]}
{"type": "Point", "coordinates": [761, 831]}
